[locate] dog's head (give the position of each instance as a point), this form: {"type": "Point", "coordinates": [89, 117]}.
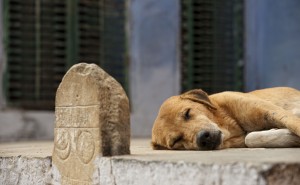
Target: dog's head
{"type": "Point", "coordinates": [187, 122]}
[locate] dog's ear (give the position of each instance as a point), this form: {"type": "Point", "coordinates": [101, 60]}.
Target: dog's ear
{"type": "Point", "coordinates": [200, 96]}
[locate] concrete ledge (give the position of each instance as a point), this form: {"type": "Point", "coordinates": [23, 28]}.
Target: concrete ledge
{"type": "Point", "coordinates": [30, 163]}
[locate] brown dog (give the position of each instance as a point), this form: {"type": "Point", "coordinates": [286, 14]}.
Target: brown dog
{"type": "Point", "coordinates": [196, 121]}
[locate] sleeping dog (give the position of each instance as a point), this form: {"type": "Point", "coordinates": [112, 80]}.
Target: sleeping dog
{"type": "Point", "coordinates": [196, 121]}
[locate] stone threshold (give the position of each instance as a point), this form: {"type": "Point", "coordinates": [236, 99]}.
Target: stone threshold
{"type": "Point", "coordinates": [31, 163]}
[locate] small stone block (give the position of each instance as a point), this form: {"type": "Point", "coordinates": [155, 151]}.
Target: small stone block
{"type": "Point", "coordinates": [92, 120]}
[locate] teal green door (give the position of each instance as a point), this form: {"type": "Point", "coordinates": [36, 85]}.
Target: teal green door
{"type": "Point", "coordinates": [212, 45]}
{"type": "Point", "coordinates": [43, 38]}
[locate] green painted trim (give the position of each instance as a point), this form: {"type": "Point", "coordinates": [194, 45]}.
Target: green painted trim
{"type": "Point", "coordinates": [215, 54]}
{"type": "Point", "coordinates": [72, 33]}
{"type": "Point", "coordinates": [127, 54]}
{"type": "Point", "coordinates": [190, 23]}
{"type": "Point", "coordinates": [238, 44]}
{"type": "Point", "coordinates": [6, 16]}
{"type": "Point", "coordinates": [102, 32]}
{"type": "Point", "coordinates": [68, 35]}
{"type": "Point", "coordinates": [37, 49]}
{"type": "Point", "coordinates": [75, 32]}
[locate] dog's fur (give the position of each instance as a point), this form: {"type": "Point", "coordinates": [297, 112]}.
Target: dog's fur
{"type": "Point", "coordinates": [182, 120]}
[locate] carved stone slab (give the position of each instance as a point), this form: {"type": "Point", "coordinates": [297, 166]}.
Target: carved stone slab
{"type": "Point", "coordinates": [92, 120]}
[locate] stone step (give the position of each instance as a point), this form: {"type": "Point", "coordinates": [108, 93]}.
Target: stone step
{"type": "Point", "coordinates": [31, 163]}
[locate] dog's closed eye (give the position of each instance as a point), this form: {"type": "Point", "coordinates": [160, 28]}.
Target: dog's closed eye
{"type": "Point", "coordinates": [187, 114]}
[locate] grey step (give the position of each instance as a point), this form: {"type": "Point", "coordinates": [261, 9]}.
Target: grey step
{"type": "Point", "coordinates": [30, 163]}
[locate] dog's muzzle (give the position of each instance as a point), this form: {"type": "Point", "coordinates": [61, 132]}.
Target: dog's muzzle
{"type": "Point", "coordinates": [208, 140]}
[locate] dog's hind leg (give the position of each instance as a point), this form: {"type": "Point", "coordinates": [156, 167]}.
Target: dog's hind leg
{"type": "Point", "coordinates": [255, 114]}
{"type": "Point", "coordinates": [274, 138]}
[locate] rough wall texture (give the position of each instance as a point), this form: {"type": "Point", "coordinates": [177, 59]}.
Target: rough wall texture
{"type": "Point", "coordinates": [283, 174]}
{"type": "Point", "coordinates": [181, 173]}
{"type": "Point", "coordinates": [121, 171]}
{"type": "Point", "coordinates": [23, 170]}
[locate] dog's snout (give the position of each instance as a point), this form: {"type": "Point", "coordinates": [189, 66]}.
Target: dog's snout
{"type": "Point", "coordinates": [208, 140]}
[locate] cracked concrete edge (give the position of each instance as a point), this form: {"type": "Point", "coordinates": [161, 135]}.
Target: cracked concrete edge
{"type": "Point", "coordinates": [105, 173]}
{"type": "Point", "coordinates": [280, 174]}
{"type": "Point", "coordinates": [24, 170]}
{"type": "Point", "coordinates": [130, 171]}
{"type": "Point", "coordinates": [55, 176]}
{"type": "Point", "coordinates": [175, 173]}
{"type": "Point", "coordinates": [118, 171]}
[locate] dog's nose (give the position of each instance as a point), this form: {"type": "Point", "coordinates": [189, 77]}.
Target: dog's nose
{"type": "Point", "coordinates": [208, 140]}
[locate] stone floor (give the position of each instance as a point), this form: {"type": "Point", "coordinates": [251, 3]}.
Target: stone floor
{"type": "Point", "coordinates": [141, 150]}
{"type": "Point", "coordinates": [147, 166]}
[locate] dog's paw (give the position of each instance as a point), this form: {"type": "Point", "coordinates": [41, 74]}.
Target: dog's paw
{"type": "Point", "coordinates": [274, 138]}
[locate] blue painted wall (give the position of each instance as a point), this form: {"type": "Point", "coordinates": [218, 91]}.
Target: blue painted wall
{"type": "Point", "coordinates": [154, 28]}
{"type": "Point", "coordinates": [272, 43]}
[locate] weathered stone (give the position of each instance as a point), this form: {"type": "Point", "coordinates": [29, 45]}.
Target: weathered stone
{"type": "Point", "coordinates": [92, 120]}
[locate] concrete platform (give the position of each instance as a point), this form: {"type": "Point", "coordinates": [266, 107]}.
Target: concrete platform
{"type": "Point", "coordinates": [30, 163]}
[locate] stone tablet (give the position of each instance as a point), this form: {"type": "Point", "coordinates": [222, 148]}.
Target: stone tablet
{"type": "Point", "coordinates": [92, 120]}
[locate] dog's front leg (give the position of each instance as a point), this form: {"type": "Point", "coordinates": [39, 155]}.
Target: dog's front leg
{"type": "Point", "coordinates": [273, 115]}
{"type": "Point", "coordinates": [274, 138]}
